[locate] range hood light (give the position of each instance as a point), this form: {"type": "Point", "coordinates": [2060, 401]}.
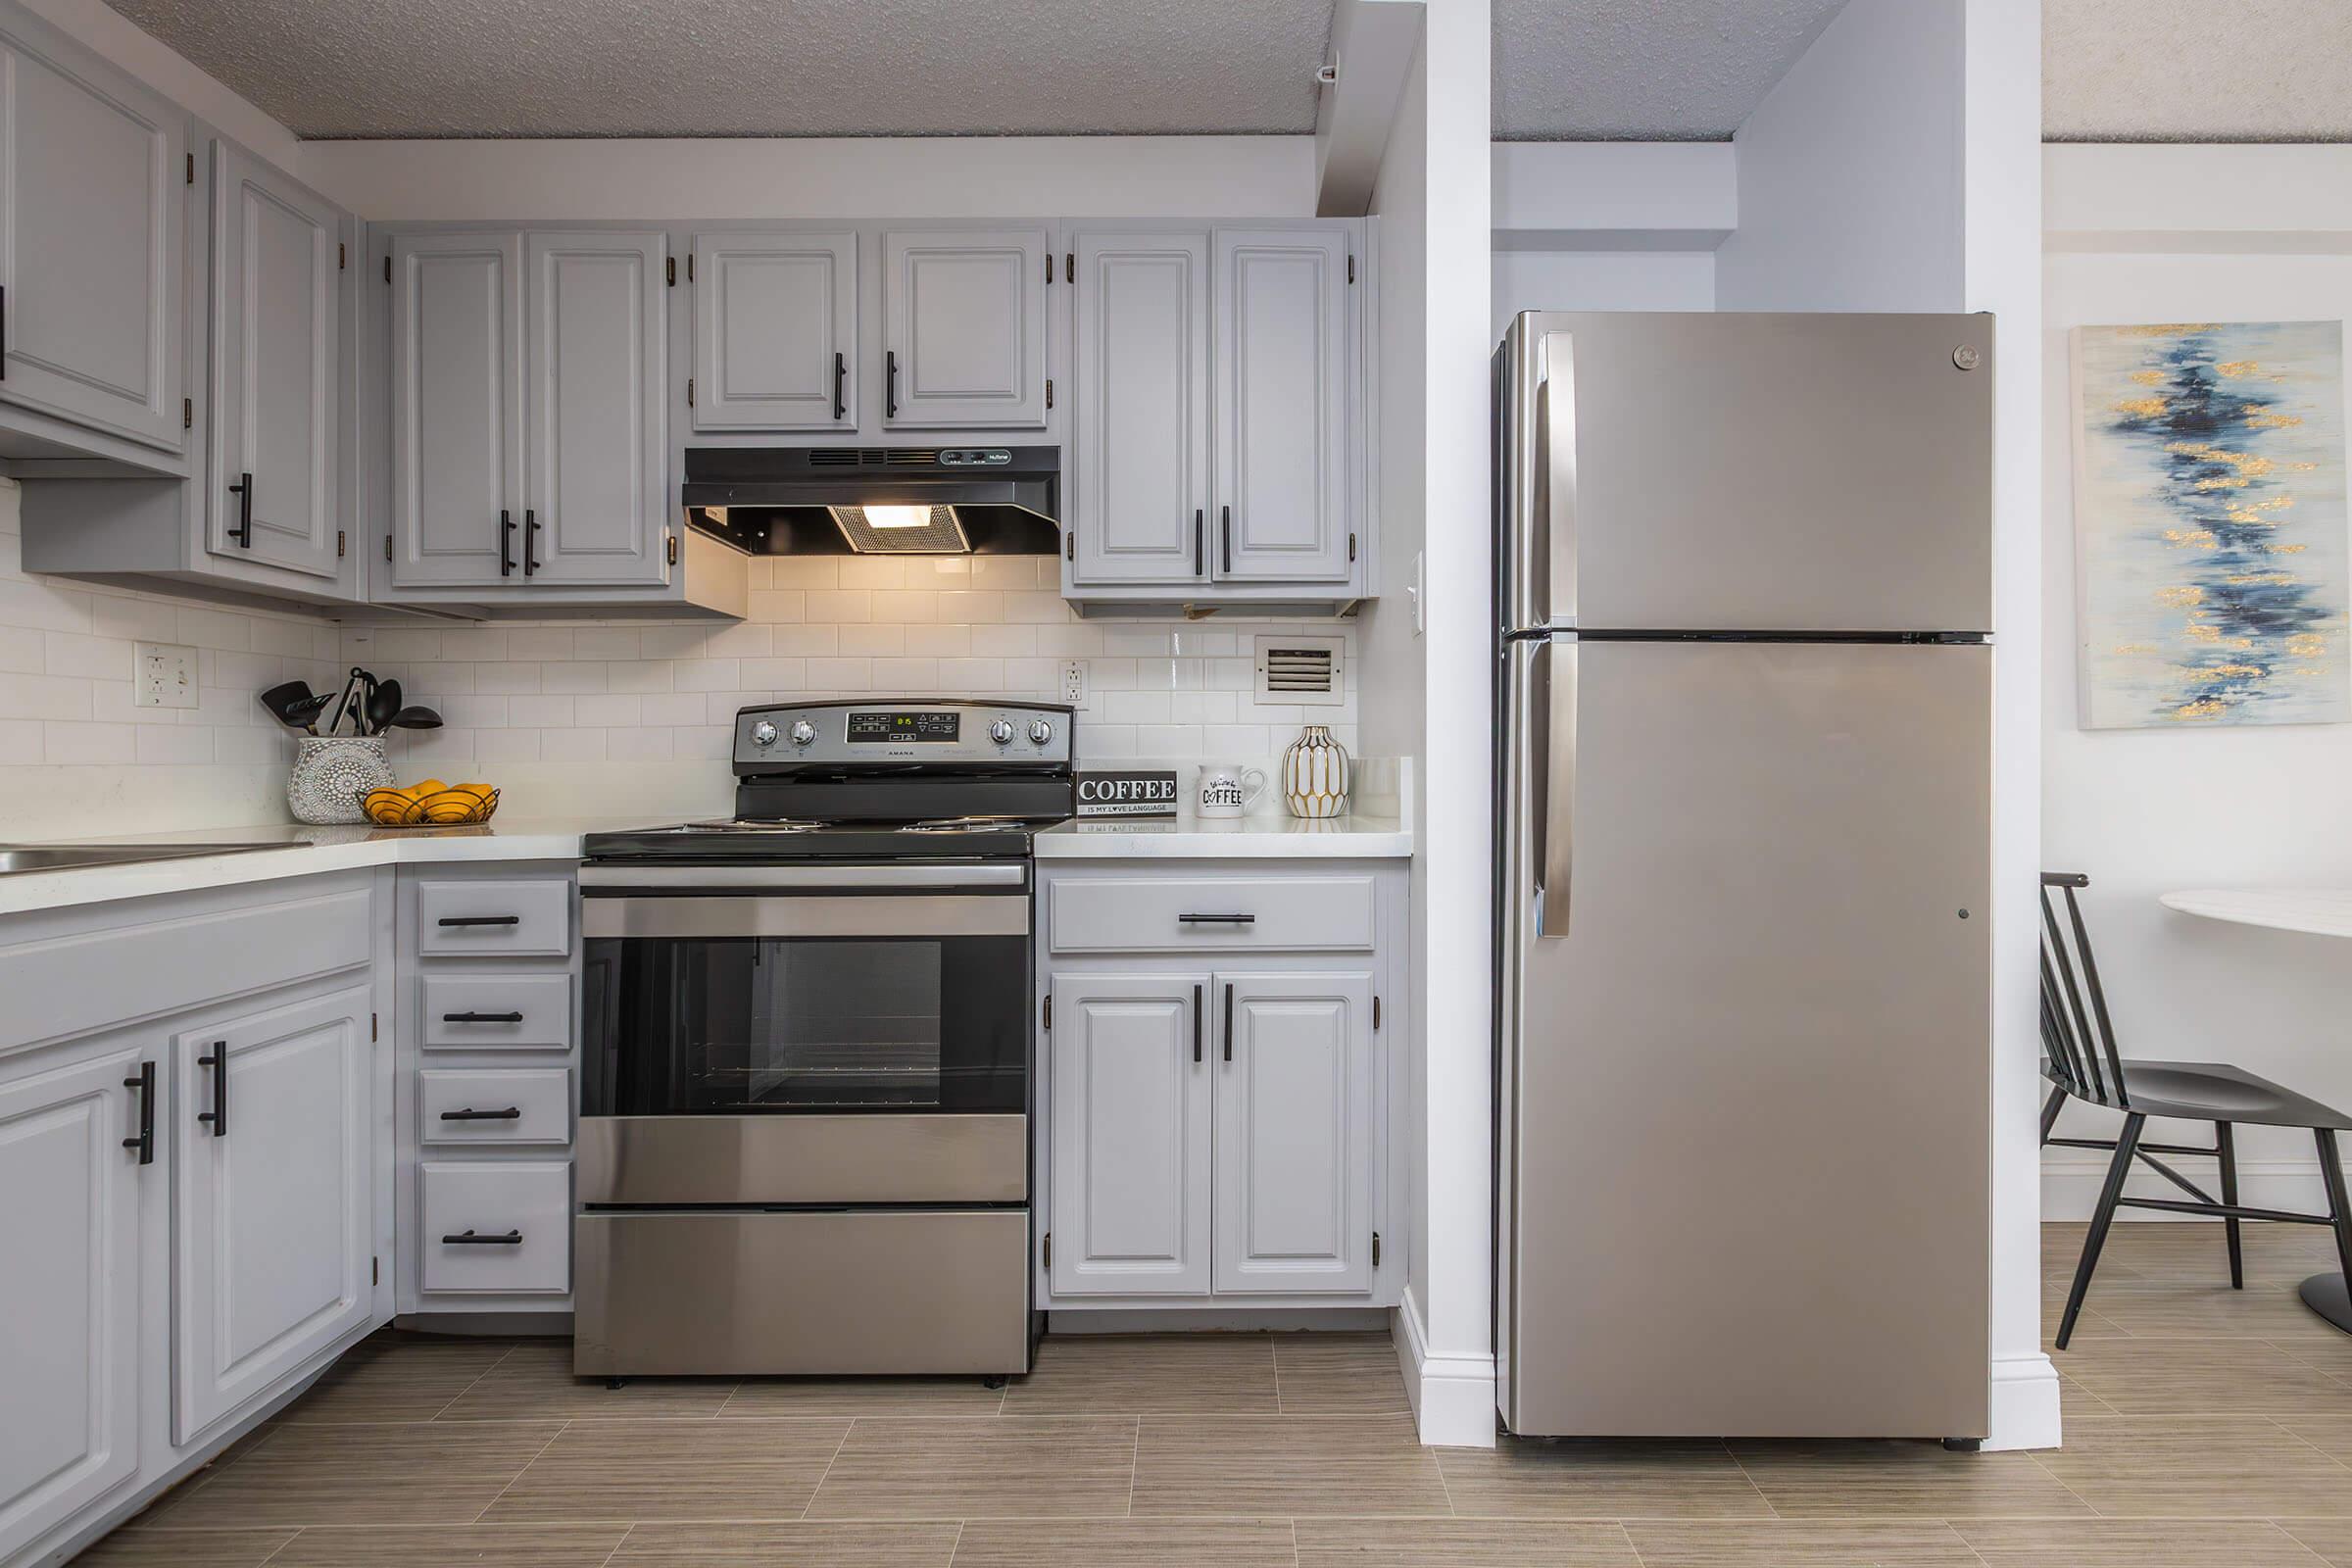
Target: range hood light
{"type": "Point", "coordinates": [896, 517]}
{"type": "Point", "coordinates": [902, 530]}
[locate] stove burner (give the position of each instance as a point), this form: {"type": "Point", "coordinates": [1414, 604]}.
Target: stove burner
{"type": "Point", "coordinates": [964, 824]}
{"type": "Point", "coordinates": [781, 825]}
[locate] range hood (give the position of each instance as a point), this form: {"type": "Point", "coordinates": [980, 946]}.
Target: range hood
{"type": "Point", "coordinates": [840, 501]}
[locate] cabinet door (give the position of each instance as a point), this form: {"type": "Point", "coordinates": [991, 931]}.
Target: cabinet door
{"type": "Point", "coordinates": [457, 409]}
{"type": "Point", "coordinates": [70, 1289]}
{"type": "Point", "coordinates": [1130, 1205]}
{"type": "Point", "coordinates": [1294, 1120]}
{"type": "Point", "coordinates": [594, 501]}
{"type": "Point", "coordinates": [93, 212]}
{"type": "Point", "coordinates": [274, 1212]}
{"type": "Point", "coordinates": [276, 350]}
{"type": "Point", "coordinates": [965, 329]}
{"type": "Point", "coordinates": [1285, 339]}
{"type": "Point", "coordinates": [1140, 468]}
{"type": "Point", "coordinates": [775, 332]}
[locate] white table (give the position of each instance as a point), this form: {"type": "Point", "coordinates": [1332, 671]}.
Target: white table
{"type": "Point", "coordinates": [2316, 911]}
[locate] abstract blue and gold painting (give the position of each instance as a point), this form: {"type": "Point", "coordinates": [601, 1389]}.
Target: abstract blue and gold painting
{"type": "Point", "coordinates": [2210, 524]}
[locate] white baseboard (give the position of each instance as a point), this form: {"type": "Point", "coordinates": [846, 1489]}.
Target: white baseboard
{"type": "Point", "coordinates": [1453, 1396]}
{"type": "Point", "coordinates": [2070, 1185]}
{"type": "Point", "coordinates": [2022, 1402]}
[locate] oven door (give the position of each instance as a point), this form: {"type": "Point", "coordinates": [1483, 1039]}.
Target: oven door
{"type": "Point", "coordinates": [897, 989]}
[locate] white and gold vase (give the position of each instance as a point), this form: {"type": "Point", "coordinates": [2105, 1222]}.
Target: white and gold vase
{"type": "Point", "coordinates": [332, 773]}
{"type": "Point", "coordinates": [1314, 774]}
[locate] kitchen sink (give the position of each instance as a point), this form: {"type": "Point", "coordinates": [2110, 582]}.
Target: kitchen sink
{"type": "Point", "coordinates": [16, 859]}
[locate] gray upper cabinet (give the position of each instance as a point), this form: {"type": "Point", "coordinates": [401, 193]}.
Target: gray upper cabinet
{"type": "Point", "coordinates": [276, 366]}
{"type": "Point", "coordinates": [1284, 383]}
{"type": "Point", "coordinates": [964, 328]}
{"type": "Point", "coordinates": [457, 409]}
{"type": "Point", "coordinates": [775, 330]}
{"type": "Point", "coordinates": [93, 213]}
{"type": "Point", "coordinates": [595, 471]}
{"type": "Point", "coordinates": [1139, 447]}
{"type": "Point", "coordinates": [69, 1291]}
{"type": "Point", "coordinates": [1294, 1126]}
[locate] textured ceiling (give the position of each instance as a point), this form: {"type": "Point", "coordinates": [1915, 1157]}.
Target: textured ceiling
{"type": "Point", "coordinates": [1642, 70]}
{"type": "Point", "coordinates": [757, 68]}
{"type": "Point", "coordinates": [2197, 70]}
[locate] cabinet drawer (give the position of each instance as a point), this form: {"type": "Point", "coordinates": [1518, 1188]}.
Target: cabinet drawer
{"type": "Point", "coordinates": [1182, 915]}
{"type": "Point", "coordinates": [494, 1105]}
{"type": "Point", "coordinates": [527, 1206]}
{"type": "Point", "coordinates": [497, 1013]}
{"type": "Point", "coordinates": [519, 919]}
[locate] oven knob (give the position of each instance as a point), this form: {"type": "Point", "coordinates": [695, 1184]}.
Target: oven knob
{"type": "Point", "coordinates": [763, 733]}
{"type": "Point", "coordinates": [1040, 732]}
{"type": "Point", "coordinates": [803, 733]}
{"type": "Point", "coordinates": [1000, 732]}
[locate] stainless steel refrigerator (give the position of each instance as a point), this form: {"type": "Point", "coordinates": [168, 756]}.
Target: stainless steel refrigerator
{"type": "Point", "coordinates": [1744, 585]}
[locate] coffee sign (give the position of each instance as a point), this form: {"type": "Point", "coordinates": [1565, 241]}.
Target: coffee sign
{"type": "Point", "coordinates": [1127, 794]}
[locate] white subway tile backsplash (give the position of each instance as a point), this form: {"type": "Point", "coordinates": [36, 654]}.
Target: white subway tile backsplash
{"type": "Point", "coordinates": [21, 742]}
{"type": "Point", "coordinates": [44, 696]}
{"type": "Point", "coordinates": [576, 676]}
{"type": "Point", "coordinates": [151, 620]}
{"type": "Point", "coordinates": [543, 643]}
{"type": "Point", "coordinates": [603, 641]}
{"type": "Point", "coordinates": [876, 639]}
{"type": "Point", "coordinates": [487, 677]}
{"type": "Point", "coordinates": [616, 710]}
{"type": "Point", "coordinates": [24, 650]}
{"type": "Point", "coordinates": [707, 674]}
{"type": "Point", "coordinates": [178, 743]}
{"type": "Point", "coordinates": [535, 712]}
{"type": "Point", "coordinates": [68, 742]}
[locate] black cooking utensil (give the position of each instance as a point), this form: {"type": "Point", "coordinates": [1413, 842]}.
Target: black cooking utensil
{"type": "Point", "coordinates": [306, 713]}
{"type": "Point", "coordinates": [383, 701]}
{"type": "Point", "coordinates": [347, 705]}
{"type": "Point", "coordinates": [282, 699]}
{"type": "Point", "coordinates": [414, 718]}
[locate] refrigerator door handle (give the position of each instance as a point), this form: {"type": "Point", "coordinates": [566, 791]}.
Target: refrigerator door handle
{"type": "Point", "coordinates": [1552, 756]}
{"type": "Point", "coordinates": [1553, 557]}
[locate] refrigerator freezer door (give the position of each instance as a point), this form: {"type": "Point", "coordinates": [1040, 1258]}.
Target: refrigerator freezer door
{"type": "Point", "coordinates": [1748, 473]}
{"type": "Point", "coordinates": [1746, 1093]}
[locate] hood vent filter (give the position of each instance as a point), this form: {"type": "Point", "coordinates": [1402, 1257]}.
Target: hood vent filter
{"type": "Point", "coordinates": [902, 530]}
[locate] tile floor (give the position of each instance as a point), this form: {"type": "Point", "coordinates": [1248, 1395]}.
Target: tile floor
{"type": "Point", "coordinates": [2204, 1427]}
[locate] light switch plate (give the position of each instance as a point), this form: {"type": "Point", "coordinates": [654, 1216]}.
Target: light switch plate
{"type": "Point", "coordinates": [166, 677]}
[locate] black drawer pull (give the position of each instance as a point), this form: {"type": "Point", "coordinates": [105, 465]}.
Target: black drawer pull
{"type": "Point", "coordinates": [1217, 919]}
{"type": "Point", "coordinates": [482, 919]}
{"type": "Point", "coordinates": [511, 1113]}
{"type": "Point", "coordinates": [471, 1239]}
{"type": "Point", "coordinates": [144, 1087]}
{"type": "Point", "coordinates": [481, 1017]}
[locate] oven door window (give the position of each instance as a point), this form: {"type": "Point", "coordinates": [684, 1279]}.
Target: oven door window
{"type": "Point", "coordinates": [726, 1025]}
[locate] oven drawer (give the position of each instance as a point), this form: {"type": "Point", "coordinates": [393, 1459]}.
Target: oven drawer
{"type": "Point", "coordinates": [497, 1013]}
{"type": "Point", "coordinates": [905, 1291]}
{"type": "Point", "coordinates": [862, 1157]}
{"type": "Point", "coordinates": [505, 919]}
{"type": "Point", "coordinates": [1185, 914]}
{"type": "Point", "coordinates": [458, 1105]}
{"type": "Point", "coordinates": [514, 1221]}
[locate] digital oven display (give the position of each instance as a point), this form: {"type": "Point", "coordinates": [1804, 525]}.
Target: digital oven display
{"type": "Point", "coordinates": [887, 727]}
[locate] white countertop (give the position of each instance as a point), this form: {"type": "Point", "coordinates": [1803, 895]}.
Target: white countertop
{"type": "Point", "coordinates": [1249, 838]}
{"type": "Point", "coordinates": [2319, 912]}
{"type": "Point", "coordinates": [313, 850]}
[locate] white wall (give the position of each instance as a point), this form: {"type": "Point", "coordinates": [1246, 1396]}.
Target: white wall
{"type": "Point", "coordinates": [2239, 233]}
{"type": "Point", "coordinates": [1601, 281]}
{"type": "Point", "coordinates": [1896, 168]}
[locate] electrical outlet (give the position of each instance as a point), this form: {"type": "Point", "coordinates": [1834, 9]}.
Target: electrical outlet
{"type": "Point", "coordinates": [1073, 682]}
{"type": "Point", "coordinates": [166, 677]}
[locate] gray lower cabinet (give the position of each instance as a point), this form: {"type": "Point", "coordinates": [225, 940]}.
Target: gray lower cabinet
{"type": "Point", "coordinates": [457, 409]}
{"type": "Point", "coordinates": [775, 330]}
{"type": "Point", "coordinates": [272, 1184]}
{"type": "Point", "coordinates": [1131, 1140]}
{"type": "Point", "coordinates": [93, 212]}
{"type": "Point", "coordinates": [963, 325]}
{"type": "Point", "coordinates": [279, 253]}
{"type": "Point", "coordinates": [72, 1358]}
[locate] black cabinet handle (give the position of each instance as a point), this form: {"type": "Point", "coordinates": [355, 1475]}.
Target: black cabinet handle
{"type": "Point", "coordinates": [890, 392]}
{"type": "Point", "coordinates": [1196, 1024]}
{"type": "Point", "coordinates": [506, 543]}
{"type": "Point", "coordinates": [143, 1086]}
{"type": "Point", "coordinates": [218, 1114]}
{"type": "Point", "coordinates": [511, 1113]}
{"type": "Point", "coordinates": [482, 919]}
{"type": "Point", "coordinates": [474, 1239]}
{"type": "Point", "coordinates": [1199, 529]}
{"type": "Point", "coordinates": [481, 1017]}
{"type": "Point", "coordinates": [1228, 1020]}
{"type": "Point", "coordinates": [1217, 919]}
{"type": "Point", "coordinates": [840, 375]}
{"type": "Point", "coordinates": [530, 540]}
{"type": "Point", "coordinates": [3, 331]}
{"type": "Point", "coordinates": [242, 534]}
{"type": "Point", "coordinates": [1225, 530]}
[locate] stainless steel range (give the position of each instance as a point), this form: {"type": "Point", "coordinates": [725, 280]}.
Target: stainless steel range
{"type": "Point", "coordinates": [807, 1041]}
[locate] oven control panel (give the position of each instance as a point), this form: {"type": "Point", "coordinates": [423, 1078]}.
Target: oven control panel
{"type": "Point", "coordinates": [892, 730]}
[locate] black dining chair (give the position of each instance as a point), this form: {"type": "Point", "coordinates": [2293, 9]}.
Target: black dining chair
{"type": "Point", "coordinates": [2082, 1062]}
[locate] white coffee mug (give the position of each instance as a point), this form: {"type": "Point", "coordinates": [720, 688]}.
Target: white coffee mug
{"type": "Point", "coordinates": [1228, 788]}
